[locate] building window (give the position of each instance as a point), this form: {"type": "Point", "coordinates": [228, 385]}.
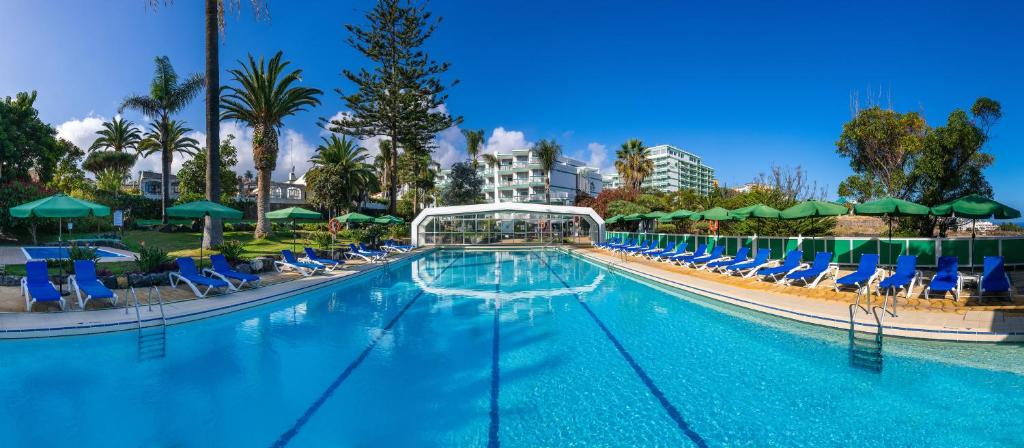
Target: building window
{"type": "Point", "coordinates": [294, 193]}
{"type": "Point", "coordinates": [275, 192]}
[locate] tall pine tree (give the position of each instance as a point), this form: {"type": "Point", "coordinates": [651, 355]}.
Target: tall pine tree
{"type": "Point", "coordinates": [399, 94]}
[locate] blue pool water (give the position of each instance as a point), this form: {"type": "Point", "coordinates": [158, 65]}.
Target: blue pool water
{"type": "Point", "coordinates": [515, 349]}
{"type": "Point", "coordinates": [44, 253]}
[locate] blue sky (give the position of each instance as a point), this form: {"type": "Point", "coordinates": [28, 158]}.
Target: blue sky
{"type": "Point", "coordinates": [743, 84]}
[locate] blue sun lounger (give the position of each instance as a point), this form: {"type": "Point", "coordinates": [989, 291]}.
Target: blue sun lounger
{"type": "Point", "coordinates": [761, 259]}
{"type": "Point", "coordinates": [366, 250]}
{"type": "Point", "coordinates": [392, 245]}
{"type": "Point", "coordinates": [189, 274]}
{"type": "Point", "coordinates": [681, 260]}
{"type": "Point", "coordinates": [715, 255]}
{"type": "Point", "coordinates": [640, 250]}
{"type": "Point", "coordinates": [718, 265]}
{"type": "Point", "coordinates": [665, 256]}
{"type": "Point", "coordinates": [867, 271]}
{"type": "Point", "coordinates": [289, 261]}
{"type": "Point", "coordinates": [37, 287]}
{"type": "Point", "coordinates": [84, 281]}
{"type": "Point", "coordinates": [994, 278]}
{"type": "Point", "coordinates": [654, 252]}
{"type": "Point", "coordinates": [946, 279]}
{"type": "Point", "coordinates": [222, 270]}
{"type": "Point", "coordinates": [789, 264]}
{"type": "Point", "coordinates": [811, 274]}
{"type": "Point", "coordinates": [328, 264]}
{"type": "Point", "coordinates": [905, 277]}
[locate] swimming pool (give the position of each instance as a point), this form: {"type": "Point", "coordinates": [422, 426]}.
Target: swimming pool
{"type": "Point", "coordinates": [45, 253]}
{"type": "Point", "coordinates": [517, 348]}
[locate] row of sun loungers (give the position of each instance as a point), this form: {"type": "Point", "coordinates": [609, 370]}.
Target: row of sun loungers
{"type": "Point", "coordinates": [791, 270]}
{"type": "Point", "coordinates": [37, 287]}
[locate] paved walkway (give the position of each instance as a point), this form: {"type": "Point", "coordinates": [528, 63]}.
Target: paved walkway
{"type": "Point", "coordinates": [823, 307]}
{"type": "Point", "coordinates": [16, 325]}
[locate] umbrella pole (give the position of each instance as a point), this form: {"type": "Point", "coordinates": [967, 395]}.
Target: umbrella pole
{"type": "Point", "coordinates": [294, 236]}
{"type": "Point", "coordinates": [60, 246]}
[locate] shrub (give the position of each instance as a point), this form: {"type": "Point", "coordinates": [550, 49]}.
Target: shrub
{"type": "Point", "coordinates": [313, 227]}
{"type": "Point", "coordinates": [232, 250]}
{"type": "Point", "coordinates": [151, 259]}
{"type": "Point", "coordinates": [322, 240]}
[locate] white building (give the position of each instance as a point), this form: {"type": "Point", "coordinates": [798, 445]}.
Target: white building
{"type": "Point", "coordinates": [519, 178]}
{"type": "Point", "coordinates": [609, 181]}
{"type": "Point", "coordinates": [676, 169]}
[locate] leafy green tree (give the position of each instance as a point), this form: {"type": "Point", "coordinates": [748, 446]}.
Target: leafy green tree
{"type": "Point", "coordinates": [111, 168]}
{"type": "Point", "coordinates": [414, 168]}
{"type": "Point", "coordinates": [465, 186]}
{"type": "Point", "coordinates": [66, 177]}
{"type": "Point", "coordinates": [264, 95]}
{"type": "Point", "coordinates": [547, 152]}
{"type": "Point", "coordinates": [621, 207]}
{"type": "Point", "coordinates": [474, 143]}
{"type": "Point", "coordinates": [632, 163]}
{"type": "Point", "coordinates": [881, 145]}
{"type": "Point", "coordinates": [17, 192]}
{"type": "Point", "coordinates": [118, 135]}
{"type": "Point", "coordinates": [340, 175]}
{"type": "Point", "coordinates": [192, 175]}
{"type": "Point", "coordinates": [954, 159]}
{"type": "Point", "coordinates": [167, 96]}
{"type": "Point", "coordinates": [382, 164]}
{"type": "Point", "coordinates": [27, 144]}
{"type": "Point", "coordinates": [399, 94]}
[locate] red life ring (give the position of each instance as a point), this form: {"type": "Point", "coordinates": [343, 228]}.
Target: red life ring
{"type": "Point", "coordinates": [334, 225]}
{"type": "Point", "coordinates": [713, 226]}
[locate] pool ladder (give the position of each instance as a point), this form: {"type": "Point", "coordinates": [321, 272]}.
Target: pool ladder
{"type": "Point", "coordinates": [152, 344]}
{"type": "Point", "coordinates": [865, 350]}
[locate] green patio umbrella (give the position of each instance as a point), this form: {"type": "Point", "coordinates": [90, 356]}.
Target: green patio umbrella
{"type": "Point", "coordinates": [354, 218]}
{"type": "Point", "coordinates": [675, 216]}
{"type": "Point", "coordinates": [715, 214]}
{"type": "Point", "coordinates": [890, 207]}
{"type": "Point", "coordinates": [633, 217]}
{"type": "Point", "coordinates": [613, 219]}
{"type": "Point", "coordinates": [975, 207]}
{"type": "Point", "coordinates": [202, 209]}
{"type": "Point", "coordinates": [813, 209]}
{"type": "Point", "coordinates": [655, 215]}
{"type": "Point", "coordinates": [388, 219]}
{"type": "Point", "coordinates": [293, 213]}
{"type": "Point", "coordinates": [59, 206]}
{"type": "Point", "coordinates": [759, 211]}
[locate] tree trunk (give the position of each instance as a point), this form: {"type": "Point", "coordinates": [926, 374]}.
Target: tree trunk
{"type": "Point", "coordinates": [262, 203]}
{"type": "Point", "coordinates": [213, 231]}
{"type": "Point", "coordinates": [393, 175]}
{"type": "Point", "coordinates": [264, 149]}
{"type": "Point", "coordinates": [165, 182]}
{"type": "Point", "coordinates": [547, 187]}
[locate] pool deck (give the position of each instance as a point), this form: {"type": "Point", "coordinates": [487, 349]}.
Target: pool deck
{"type": "Point", "coordinates": [937, 319]}
{"type": "Point", "coordinates": [179, 306]}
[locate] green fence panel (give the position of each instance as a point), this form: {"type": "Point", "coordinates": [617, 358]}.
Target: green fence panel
{"type": "Point", "coordinates": [791, 244]}
{"type": "Point", "coordinates": [891, 250]}
{"type": "Point", "coordinates": [959, 248]}
{"type": "Point", "coordinates": [777, 247]}
{"type": "Point", "coordinates": [924, 250]}
{"type": "Point", "coordinates": [861, 246]}
{"type": "Point", "coordinates": [842, 251]}
{"type": "Point", "coordinates": [985, 248]}
{"type": "Point", "coordinates": [731, 245]}
{"type": "Point", "coordinates": [1013, 251]}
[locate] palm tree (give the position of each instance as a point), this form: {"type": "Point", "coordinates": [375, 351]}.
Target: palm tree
{"type": "Point", "coordinates": [117, 135]}
{"type": "Point", "coordinates": [342, 164]}
{"type": "Point", "coordinates": [263, 97]}
{"type": "Point", "coordinates": [167, 96]}
{"type": "Point", "coordinates": [547, 152]}
{"type": "Point", "coordinates": [474, 143]}
{"type": "Point", "coordinates": [632, 163]}
{"type": "Point", "coordinates": [168, 138]}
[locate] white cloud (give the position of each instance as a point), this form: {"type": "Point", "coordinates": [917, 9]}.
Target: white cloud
{"type": "Point", "coordinates": [598, 155]}
{"type": "Point", "coordinates": [295, 152]}
{"type": "Point", "coordinates": [502, 140]}
{"type": "Point", "coordinates": [81, 132]}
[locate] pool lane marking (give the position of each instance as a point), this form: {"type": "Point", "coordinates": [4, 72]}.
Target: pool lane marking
{"type": "Point", "coordinates": [492, 434]}
{"type": "Point", "coordinates": [673, 413]}
{"type": "Point", "coordinates": [285, 438]}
